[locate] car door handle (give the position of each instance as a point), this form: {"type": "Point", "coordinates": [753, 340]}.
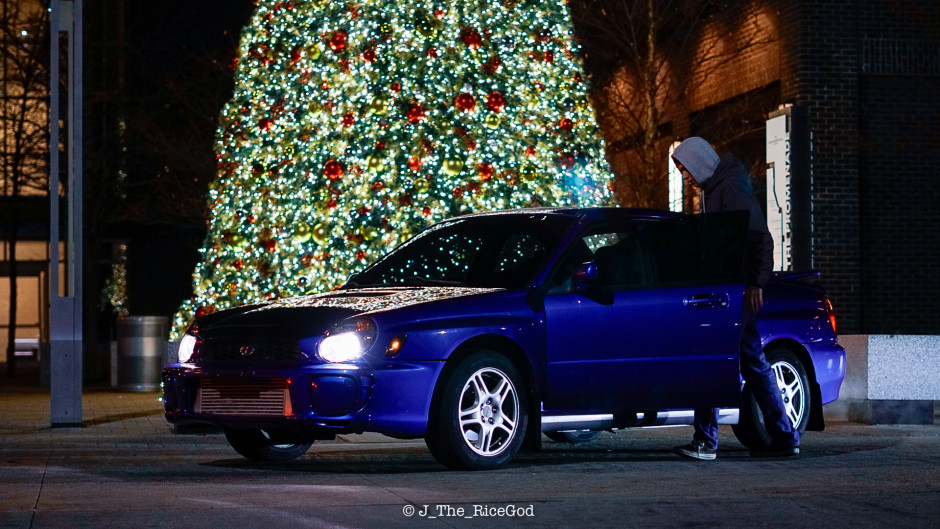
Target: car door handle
{"type": "Point", "coordinates": [706, 301]}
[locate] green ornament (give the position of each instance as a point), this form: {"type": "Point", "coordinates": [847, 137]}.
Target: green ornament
{"type": "Point", "coordinates": [313, 51]}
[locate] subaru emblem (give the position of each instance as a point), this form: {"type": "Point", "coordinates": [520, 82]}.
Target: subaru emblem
{"type": "Point", "coordinates": [246, 351]}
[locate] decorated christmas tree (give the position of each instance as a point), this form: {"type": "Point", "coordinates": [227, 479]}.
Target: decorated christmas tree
{"type": "Point", "coordinates": [354, 125]}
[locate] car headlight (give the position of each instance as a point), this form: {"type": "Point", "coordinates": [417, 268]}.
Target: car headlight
{"type": "Point", "coordinates": [187, 345]}
{"type": "Point", "coordinates": [347, 342]}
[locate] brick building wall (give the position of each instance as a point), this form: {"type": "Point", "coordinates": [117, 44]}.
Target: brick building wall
{"type": "Point", "coordinates": [899, 130]}
{"type": "Point", "coordinates": [873, 112]}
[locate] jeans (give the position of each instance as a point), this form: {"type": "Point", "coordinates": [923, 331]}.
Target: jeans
{"type": "Point", "coordinates": [763, 384]}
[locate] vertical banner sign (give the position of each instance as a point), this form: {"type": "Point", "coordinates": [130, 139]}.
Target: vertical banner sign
{"type": "Point", "coordinates": [779, 201]}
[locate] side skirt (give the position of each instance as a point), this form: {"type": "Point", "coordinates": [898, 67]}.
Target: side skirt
{"type": "Point", "coordinates": [611, 421]}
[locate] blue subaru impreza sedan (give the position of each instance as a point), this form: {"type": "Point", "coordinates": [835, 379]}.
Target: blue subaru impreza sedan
{"type": "Point", "coordinates": [484, 331]}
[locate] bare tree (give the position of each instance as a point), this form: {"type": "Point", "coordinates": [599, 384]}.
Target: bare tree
{"type": "Point", "coordinates": [24, 132]}
{"type": "Point", "coordinates": [648, 59]}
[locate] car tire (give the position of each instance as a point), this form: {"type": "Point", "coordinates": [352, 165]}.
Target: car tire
{"type": "Point", "coordinates": [479, 418]}
{"type": "Point", "coordinates": [258, 445]}
{"type": "Point", "coordinates": [794, 386]}
{"type": "Point", "coordinates": [573, 436]}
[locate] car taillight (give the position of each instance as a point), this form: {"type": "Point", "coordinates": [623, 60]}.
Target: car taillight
{"type": "Point", "coordinates": [832, 315]}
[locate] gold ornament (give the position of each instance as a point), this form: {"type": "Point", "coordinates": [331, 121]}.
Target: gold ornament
{"type": "Point", "coordinates": [237, 239]}
{"type": "Point", "coordinates": [528, 171]}
{"type": "Point", "coordinates": [339, 147]}
{"type": "Point", "coordinates": [379, 105]}
{"type": "Point", "coordinates": [368, 233]}
{"type": "Point", "coordinates": [313, 51]}
{"type": "Point", "coordinates": [375, 163]}
{"type": "Point", "coordinates": [320, 233]}
{"type": "Point", "coordinates": [422, 185]}
{"type": "Point", "coordinates": [302, 232]}
{"type": "Point", "coordinates": [452, 166]}
{"type": "Point", "coordinates": [492, 121]}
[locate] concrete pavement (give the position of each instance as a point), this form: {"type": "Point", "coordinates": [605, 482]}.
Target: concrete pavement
{"type": "Point", "coordinates": [127, 468]}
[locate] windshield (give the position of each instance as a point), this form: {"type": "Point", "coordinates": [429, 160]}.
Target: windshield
{"type": "Point", "coordinates": [499, 251]}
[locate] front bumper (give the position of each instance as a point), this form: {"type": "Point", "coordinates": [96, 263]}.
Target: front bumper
{"type": "Point", "coordinates": [391, 399]}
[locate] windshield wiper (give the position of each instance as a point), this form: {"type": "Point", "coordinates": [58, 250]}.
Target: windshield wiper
{"type": "Point", "coordinates": [424, 281]}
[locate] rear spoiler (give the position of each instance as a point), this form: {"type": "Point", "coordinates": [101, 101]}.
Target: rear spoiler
{"type": "Point", "coordinates": [789, 274]}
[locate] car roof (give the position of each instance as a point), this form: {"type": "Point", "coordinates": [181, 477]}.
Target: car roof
{"type": "Point", "coordinates": [581, 213]}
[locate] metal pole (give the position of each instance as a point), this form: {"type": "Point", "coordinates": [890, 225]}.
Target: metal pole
{"type": "Point", "coordinates": [65, 312]}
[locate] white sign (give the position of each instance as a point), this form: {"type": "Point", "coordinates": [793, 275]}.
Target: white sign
{"type": "Point", "coordinates": [778, 190]}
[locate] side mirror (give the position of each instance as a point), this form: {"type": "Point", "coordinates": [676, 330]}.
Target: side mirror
{"type": "Point", "coordinates": [584, 277]}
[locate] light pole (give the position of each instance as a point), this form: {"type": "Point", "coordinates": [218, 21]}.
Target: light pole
{"type": "Point", "coordinates": [65, 312]}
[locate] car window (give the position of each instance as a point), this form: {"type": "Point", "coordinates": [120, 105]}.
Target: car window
{"type": "Point", "coordinates": [492, 252]}
{"type": "Point", "coordinates": [659, 253]}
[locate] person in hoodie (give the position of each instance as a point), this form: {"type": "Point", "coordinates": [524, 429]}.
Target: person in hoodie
{"type": "Point", "coordinates": [726, 186]}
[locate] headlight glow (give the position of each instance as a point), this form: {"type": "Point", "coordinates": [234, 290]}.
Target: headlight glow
{"type": "Point", "coordinates": [187, 344]}
{"type": "Point", "coordinates": [344, 347]}
{"type": "Point", "coordinates": [347, 342]}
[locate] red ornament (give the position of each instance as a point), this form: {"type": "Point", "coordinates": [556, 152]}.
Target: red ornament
{"type": "Point", "coordinates": [378, 186]}
{"type": "Point", "coordinates": [549, 56]}
{"type": "Point", "coordinates": [270, 245]}
{"type": "Point", "coordinates": [432, 52]}
{"type": "Point", "coordinates": [414, 164]}
{"type": "Point", "coordinates": [530, 151]}
{"type": "Point", "coordinates": [415, 113]}
{"type": "Point", "coordinates": [566, 125]}
{"type": "Point", "coordinates": [380, 144]}
{"type": "Point", "coordinates": [395, 87]}
{"type": "Point", "coordinates": [348, 119]}
{"type": "Point", "coordinates": [295, 55]}
{"type": "Point", "coordinates": [491, 66]}
{"type": "Point", "coordinates": [265, 123]}
{"type": "Point", "coordinates": [471, 37]}
{"type": "Point", "coordinates": [306, 259]}
{"type": "Point", "coordinates": [333, 170]}
{"type": "Point", "coordinates": [361, 255]}
{"type": "Point", "coordinates": [458, 192]}
{"type": "Point", "coordinates": [331, 204]}
{"type": "Point", "coordinates": [368, 55]}
{"type": "Point", "coordinates": [465, 102]}
{"type": "Point", "coordinates": [238, 264]}
{"type": "Point", "coordinates": [338, 41]}
{"type": "Point", "coordinates": [495, 101]}
{"type": "Point", "coordinates": [201, 311]}
{"type": "Point", "coordinates": [363, 210]}
{"type": "Point", "coordinates": [486, 171]}
{"type": "Point", "coordinates": [566, 161]}
{"type": "Point", "coordinates": [426, 211]}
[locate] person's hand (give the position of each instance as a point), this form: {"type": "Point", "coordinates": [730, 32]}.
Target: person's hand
{"type": "Point", "coordinates": [754, 298]}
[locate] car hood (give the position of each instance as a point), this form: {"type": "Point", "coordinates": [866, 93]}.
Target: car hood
{"type": "Point", "coordinates": [304, 316]}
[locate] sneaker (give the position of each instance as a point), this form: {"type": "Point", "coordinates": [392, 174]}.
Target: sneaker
{"type": "Point", "coordinates": [776, 451]}
{"type": "Point", "coordinates": [697, 450]}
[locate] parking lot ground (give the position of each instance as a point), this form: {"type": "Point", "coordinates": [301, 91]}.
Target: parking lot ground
{"type": "Point", "coordinates": [127, 468]}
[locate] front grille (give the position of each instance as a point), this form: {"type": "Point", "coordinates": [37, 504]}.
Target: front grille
{"type": "Point", "coordinates": [235, 350]}
{"type": "Point", "coordinates": [249, 396]}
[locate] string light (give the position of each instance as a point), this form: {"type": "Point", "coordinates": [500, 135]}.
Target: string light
{"type": "Point", "coordinates": [355, 125]}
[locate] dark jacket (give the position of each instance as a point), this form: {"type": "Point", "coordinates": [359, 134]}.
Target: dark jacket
{"type": "Point", "coordinates": [729, 189]}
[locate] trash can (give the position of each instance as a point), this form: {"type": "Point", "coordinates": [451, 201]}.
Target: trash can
{"type": "Point", "coordinates": [141, 344]}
